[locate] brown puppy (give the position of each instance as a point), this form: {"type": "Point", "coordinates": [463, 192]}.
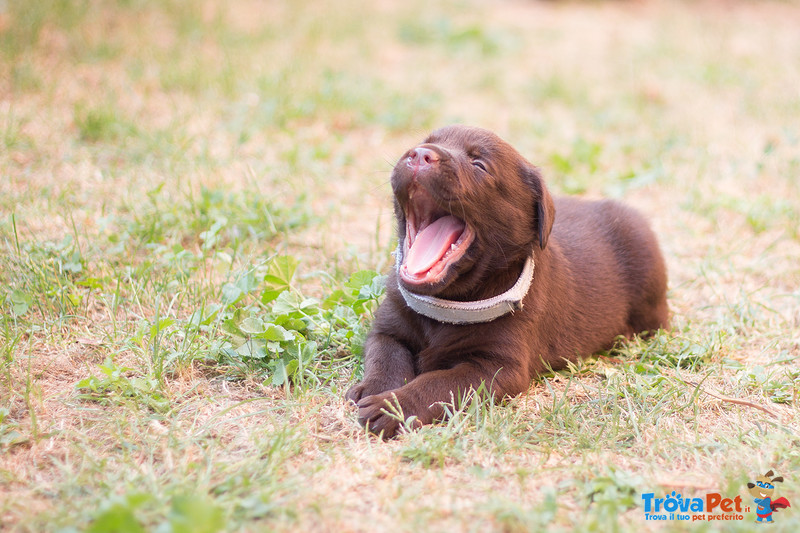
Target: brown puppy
{"type": "Point", "coordinates": [474, 219]}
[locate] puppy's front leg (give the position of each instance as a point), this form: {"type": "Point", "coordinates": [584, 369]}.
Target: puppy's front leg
{"type": "Point", "coordinates": [423, 397]}
{"type": "Point", "coordinates": [388, 365]}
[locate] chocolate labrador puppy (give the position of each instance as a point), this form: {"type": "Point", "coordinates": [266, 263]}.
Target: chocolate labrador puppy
{"type": "Point", "coordinates": [496, 282]}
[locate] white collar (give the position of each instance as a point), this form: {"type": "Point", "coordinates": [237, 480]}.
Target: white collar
{"type": "Point", "coordinates": [453, 312]}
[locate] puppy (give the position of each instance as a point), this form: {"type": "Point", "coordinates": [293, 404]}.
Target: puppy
{"type": "Point", "coordinates": [496, 282]}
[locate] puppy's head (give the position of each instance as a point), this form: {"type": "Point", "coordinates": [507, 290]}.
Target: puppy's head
{"type": "Point", "coordinates": [468, 205]}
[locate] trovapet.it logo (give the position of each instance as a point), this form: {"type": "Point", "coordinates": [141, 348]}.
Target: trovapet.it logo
{"type": "Point", "coordinates": [712, 507]}
{"type": "Point", "coordinates": [715, 507]}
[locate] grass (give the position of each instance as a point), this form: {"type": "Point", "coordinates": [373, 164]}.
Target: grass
{"type": "Point", "coordinates": [194, 207]}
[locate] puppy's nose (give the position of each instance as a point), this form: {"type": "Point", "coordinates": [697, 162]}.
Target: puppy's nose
{"type": "Point", "coordinates": [421, 159]}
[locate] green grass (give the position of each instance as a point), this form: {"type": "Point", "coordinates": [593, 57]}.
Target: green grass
{"type": "Point", "coordinates": [194, 209]}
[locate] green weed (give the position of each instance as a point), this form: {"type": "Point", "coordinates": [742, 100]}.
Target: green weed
{"type": "Point", "coordinates": [115, 386]}
{"type": "Point", "coordinates": [101, 123]}
{"type": "Point", "coordinates": [10, 434]}
{"type": "Point", "coordinates": [44, 277]}
{"type": "Point", "coordinates": [781, 384]}
{"type": "Point", "coordinates": [214, 219]}
{"type": "Point", "coordinates": [188, 512]}
{"type": "Point", "coordinates": [288, 335]}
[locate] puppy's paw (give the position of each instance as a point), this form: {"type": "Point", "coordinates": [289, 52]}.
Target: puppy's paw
{"type": "Point", "coordinates": [371, 387]}
{"type": "Point", "coordinates": [384, 414]}
{"type": "Point", "coordinates": [355, 393]}
{"type": "Point", "coordinates": [365, 389]}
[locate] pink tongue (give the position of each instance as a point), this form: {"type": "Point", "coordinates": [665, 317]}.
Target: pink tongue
{"type": "Point", "coordinates": [432, 243]}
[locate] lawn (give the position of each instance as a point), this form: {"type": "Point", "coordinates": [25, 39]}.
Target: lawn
{"type": "Point", "coordinates": [195, 212]}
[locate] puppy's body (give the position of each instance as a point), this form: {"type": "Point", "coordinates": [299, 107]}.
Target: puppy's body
{"type": "Point", "coordinates": [598, 274]}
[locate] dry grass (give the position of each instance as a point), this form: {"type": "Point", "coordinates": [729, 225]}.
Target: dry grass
{"type": "Point", "coordinates": [116, 118]}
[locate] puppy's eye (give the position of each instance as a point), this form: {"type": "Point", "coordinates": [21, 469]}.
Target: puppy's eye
{"type": "Point", "coordinates": [479, 164]}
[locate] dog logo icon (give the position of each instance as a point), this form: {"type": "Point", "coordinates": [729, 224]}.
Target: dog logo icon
{"type": "Point", "coordinates": [762, 491]}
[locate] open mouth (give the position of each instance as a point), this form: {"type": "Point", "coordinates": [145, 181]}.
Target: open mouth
{"type": "Point", "coordinates": [435, 239]}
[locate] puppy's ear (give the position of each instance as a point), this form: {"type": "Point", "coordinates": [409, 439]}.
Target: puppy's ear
{"type": "Point", "coordinates": [543, 204]}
